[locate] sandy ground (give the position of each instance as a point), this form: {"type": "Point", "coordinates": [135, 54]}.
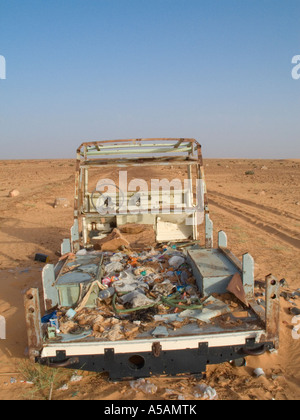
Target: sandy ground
{"type": "Point", "coordinates": [260, 212]}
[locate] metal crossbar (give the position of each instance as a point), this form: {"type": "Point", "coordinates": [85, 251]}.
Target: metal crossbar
{"type": "Point", "coordinates": [126, 148]}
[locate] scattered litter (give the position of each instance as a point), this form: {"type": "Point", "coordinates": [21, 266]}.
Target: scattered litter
{"type": "Point", "coordinates": [176, 261]}
{"type": "Point", "coordinates": [13, 380]}
{"type": "Point", "coordinates": [143, 385]}
{"type": "Point", "coordinates": [115, 333]}
{"type": "Point", "coordinates": [165, 288]}
{"type": "Point", "coordinates": [61, 202]}
{"type": "Point", "coordinates": [63, 388]}
{"type": "Point", "coordinates": [113, 267]}
{"type": "Point", "coordinates": [106, 281]}
{"type": "Point", "coordinates": [54, 323]}
{"type": "Point", "coordinates": [283, 283]}
{"type": "Point", "coordinates": [68, 327]}
{"type": "Point", "coordinates": [123, 295]}
{"type": "Point", "coordinates": [294, 311]}
{"type": "Point", "coordinates": [117, 257]}
{"type": "Point", "coordinates": [49, 316]}
{"type": "Point", "coordinates": [41, 257]}
{"type": "Point", "coordinates": [205, 392]}
{"type": "Point", "coordinates": [82, 252]}
{"type": "Point", "coordinates": [259, 372]}
{"type": "Point", "coordinates": [70, 313]}
{"type": "Point", "coordinates": [107, 293]}
{"type": "Point", "coordinates": [112, 242]}
{"type": "Point", "coordinates": [137, 299]}
{"type": "Point", "coordinates": [144, 271]}
{"type": "Point", "coordinates": [169, 391]}
{"type": "Point", "coordinates": [76, 378]}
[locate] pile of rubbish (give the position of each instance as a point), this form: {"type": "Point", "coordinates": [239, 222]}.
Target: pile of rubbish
{"type": "Point", "coordinates": [151, 291]}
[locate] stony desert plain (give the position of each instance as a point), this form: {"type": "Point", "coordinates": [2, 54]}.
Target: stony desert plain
{"type": "Point", "coordinates": [256, 202]}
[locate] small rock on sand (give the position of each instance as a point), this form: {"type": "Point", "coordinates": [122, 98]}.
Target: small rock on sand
{"type": "Point", "coordinates": [61, 202]}
{"type": "Point", "coordinates": [13, 193]}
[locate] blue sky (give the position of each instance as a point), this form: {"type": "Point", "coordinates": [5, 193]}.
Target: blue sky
{"type": "Point", "coordinates": [215, 70]}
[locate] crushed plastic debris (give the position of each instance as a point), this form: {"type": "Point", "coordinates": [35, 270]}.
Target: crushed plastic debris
{"type": "Point", "coordinates": [176, 261]}
{"type": "Point", "coordinates": [76, 378]}
{"type": "Point", "coordinates": [205, 392]}
{"type": "Point", "coordinates": [65, 387]}
{"type": "Point", "coordinates": [114, 266]}
{"type": "Point", "coordinates": [258, 372]}
{"type": "Point", "coordinates": [143, 385]}
{"type": "Point", "coordinates": [136, 298]}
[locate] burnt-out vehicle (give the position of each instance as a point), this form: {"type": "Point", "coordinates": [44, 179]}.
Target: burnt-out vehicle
{"type": "Point", "coordinates": [140, 289]}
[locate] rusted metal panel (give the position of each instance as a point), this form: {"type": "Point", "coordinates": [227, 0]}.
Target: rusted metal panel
{"type": "Point", "coordinates": [236, 287]}
{"type": "Point", "coordinates": [208, 231]}
{"type": "Point", "coordinates": [258, 310]}
{"type": "Point", "coordinates": [232, 258]}
{"type": "Point", "coordinates": [50, 293]}
{"type": "Point", "coordinates": [33, 322]}
{"type": "Point", "coordinates": [272, 309]}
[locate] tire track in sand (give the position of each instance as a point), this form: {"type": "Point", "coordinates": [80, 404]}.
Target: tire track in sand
{"type": "Point", "coordinates": [282, 233]}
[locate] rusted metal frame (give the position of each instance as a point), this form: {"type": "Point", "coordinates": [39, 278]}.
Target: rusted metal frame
{"type": "Point", "coordinates": [232, 258]}
{"type": "Point", "coordinates": [272, 309]}
{"type": "Point", "coordinates": [77, 177]}
{"type": "Point", "coordinates": [178, 143]}
{"type": "Point", "coordinates": [130, 142]}
{"type": "Point", "coordinates": [141, 146]}
{"type": "Point", "coordinates": [154, 150]}
{"type": "Point", "coordinates": [33, 322]}
{"type": "Point", "coordinates": [128, 163]}
{"type": "Point", "coordinates": [173, 210]}
{"type": "Point", "coordinates": [48, 280]}
{"type": "Point", "coordinates": [134, 141]}
{"type": "Point", "coordinates": [208, 222]}
{"type": "Point", "coordinates": [85, 184]}
{"type": "Point", "coordinates": [199, 153]}
{"type": "Point", "coordinates": [75, 241]}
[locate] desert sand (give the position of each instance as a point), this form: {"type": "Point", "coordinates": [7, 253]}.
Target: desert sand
{"type": "Point", "coordinates": [256, 202]}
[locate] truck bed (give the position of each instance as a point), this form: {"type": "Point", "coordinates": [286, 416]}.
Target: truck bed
{"type": "Point", "coordinates": [199, 286]}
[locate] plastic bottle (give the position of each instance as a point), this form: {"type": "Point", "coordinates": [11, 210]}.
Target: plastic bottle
{"type": "Point", "coordinates": [107, 293]}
